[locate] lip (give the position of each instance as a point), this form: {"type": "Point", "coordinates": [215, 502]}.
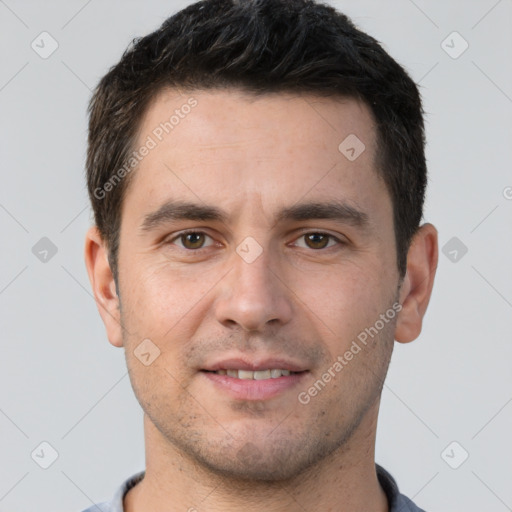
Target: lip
{"type": "Point", "coordinates": [255, 365]}
{"type": "Point", "coordinates": [247, 389]}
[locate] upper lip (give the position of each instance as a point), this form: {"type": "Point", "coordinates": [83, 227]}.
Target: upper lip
{"type": "Point", "coordinates": [255, 364]}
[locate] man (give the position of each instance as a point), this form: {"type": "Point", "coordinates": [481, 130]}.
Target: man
{"type": "Point", "coordinates": [257, 174]}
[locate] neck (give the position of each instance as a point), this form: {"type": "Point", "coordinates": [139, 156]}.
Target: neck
{"type": "Point", "coordinates": [344, 481]}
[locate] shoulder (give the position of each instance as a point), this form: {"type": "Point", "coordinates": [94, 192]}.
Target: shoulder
{"type": "Point", "coordinates": [404, 504]}
{"type": "Point", "coordinates": [397, 501]}
{"type": "Point", "coordinates": [116, 504]}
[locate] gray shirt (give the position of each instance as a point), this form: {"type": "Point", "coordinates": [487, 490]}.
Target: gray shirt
{"type": "Point", "coordinates": [397, 502]}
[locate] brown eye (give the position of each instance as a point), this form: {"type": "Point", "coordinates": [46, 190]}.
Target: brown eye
{"type": "Point", "coordinates": [317, 240]}
{"type": "Point", "coordinates": [191, 240]}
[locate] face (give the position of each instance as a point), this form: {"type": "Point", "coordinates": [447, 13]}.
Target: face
{"type": "Point", "coordinates": [249, 244]}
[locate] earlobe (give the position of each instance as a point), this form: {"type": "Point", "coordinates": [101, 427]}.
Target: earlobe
{"type": "Point", "coordinates": [417, 285]}
{"type": "Point", "coordinates": [103, 285]}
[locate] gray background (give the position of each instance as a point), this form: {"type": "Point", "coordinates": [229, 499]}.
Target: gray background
{"type": "Point", "coordinates": [63, 383]}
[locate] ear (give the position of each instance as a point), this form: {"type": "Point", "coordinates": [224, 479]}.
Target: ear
{"type": "Point", "coordinates": [417, 284]}
{"type": "Point", "coordinates": [103, 285]}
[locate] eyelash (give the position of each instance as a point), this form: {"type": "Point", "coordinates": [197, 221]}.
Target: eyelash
{"type": "Point", "coordinates": [201, 249]}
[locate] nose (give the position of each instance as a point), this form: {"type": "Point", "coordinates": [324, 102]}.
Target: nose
{"type": "Point", "coordinates": [254, 295]}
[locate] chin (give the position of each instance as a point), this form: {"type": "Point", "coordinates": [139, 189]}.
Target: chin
{"type": "Point", "coordinates": [264, 462]}
{"type": "Point", "coordinates": [263, 471]}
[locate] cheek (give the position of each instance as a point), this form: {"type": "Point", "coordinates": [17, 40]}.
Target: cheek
{"type": "Point", "coordinates": [160, 296]}
{"type": "Point", "coordinates": [166, 301]}
{"type": "Point", "coordinates": [346, 298]}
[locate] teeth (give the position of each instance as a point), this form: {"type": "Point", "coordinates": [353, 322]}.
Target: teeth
{"type": "Point", "coordinates": [257, 375]}
{"type": "Point", "coordinates": [261, 374]}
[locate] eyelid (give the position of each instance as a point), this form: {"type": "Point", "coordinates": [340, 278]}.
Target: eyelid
{"type": "Point", "coordinates": [304, 232]}
{"type": "Point", "coordinates": [339, 239]}
{"type": "Point", "coordinates": [177, 236]}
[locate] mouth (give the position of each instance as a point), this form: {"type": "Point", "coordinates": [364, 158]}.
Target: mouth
{"type": "Point", "coordinates": [254, 375]}
{"type": "Point", "coordinates": [249, 380]}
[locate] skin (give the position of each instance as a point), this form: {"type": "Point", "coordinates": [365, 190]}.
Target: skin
{"type": "Point", "coordinates": [302, 300]}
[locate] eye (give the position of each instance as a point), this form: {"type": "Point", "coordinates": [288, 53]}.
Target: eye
{"type": "Point", "coordinates": [317, 240]}
{"type": "Point", "coordinates": [191, 240]}
{"type": "Point", "coordinates": [196, 240]}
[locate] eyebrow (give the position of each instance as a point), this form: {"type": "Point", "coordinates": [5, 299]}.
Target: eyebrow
{"type": "Point", "coordinates": [176, 210]}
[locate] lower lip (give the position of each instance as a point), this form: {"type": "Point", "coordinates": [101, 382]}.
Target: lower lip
{"type": "Point", "coordinates": [250, 389]}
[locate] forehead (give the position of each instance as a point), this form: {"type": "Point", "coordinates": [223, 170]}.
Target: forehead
{"type": "Point", "coordinates": [219, 145]}
{"type": "Point", "coordinates": [227, 115]}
